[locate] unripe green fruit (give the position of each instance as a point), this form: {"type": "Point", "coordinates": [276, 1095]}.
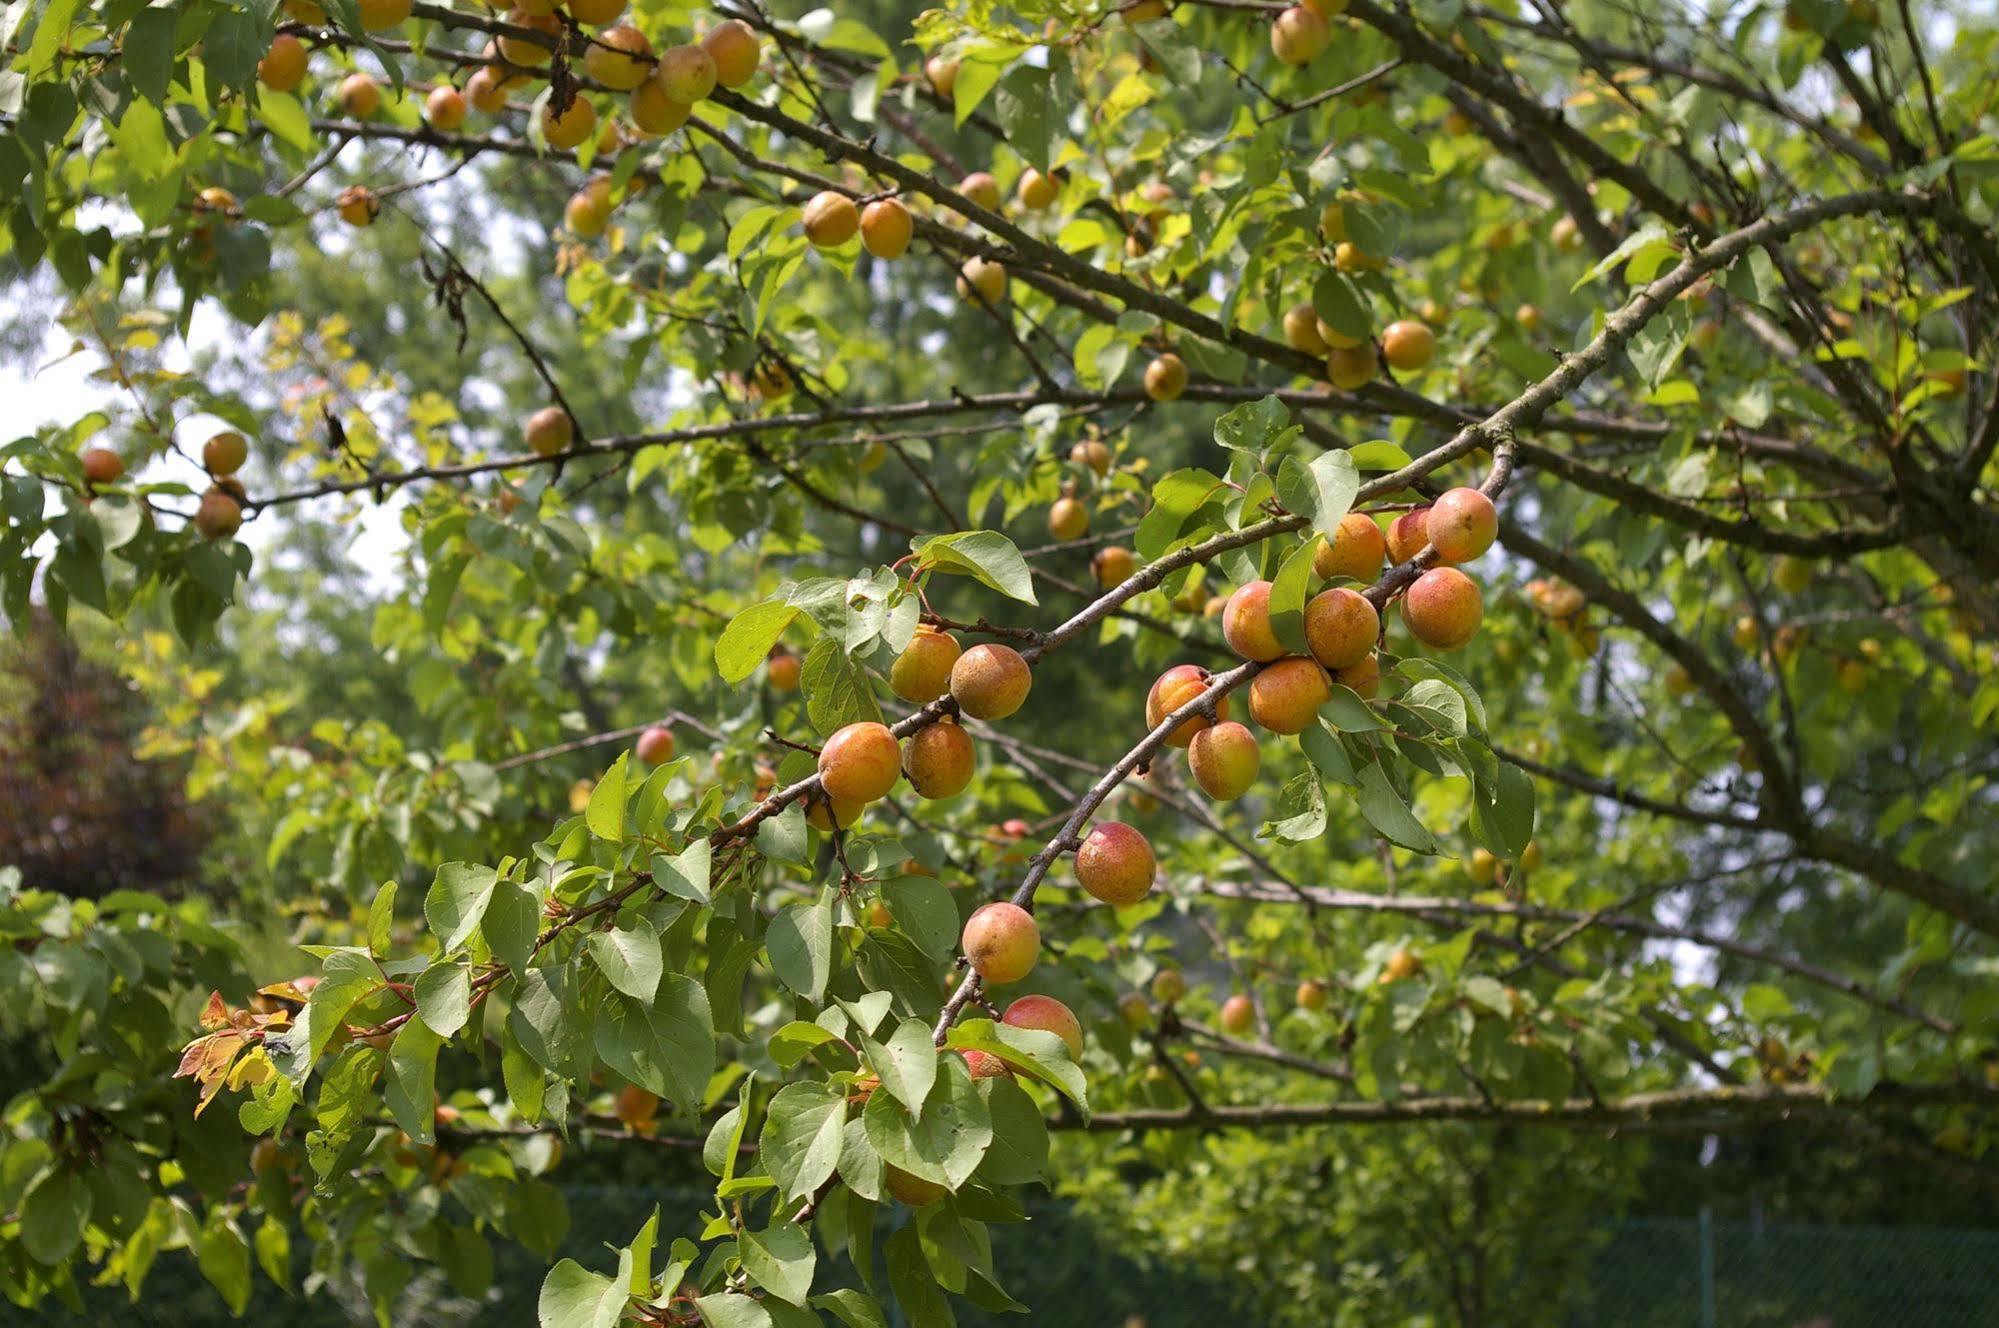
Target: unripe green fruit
{"type": "Point", "coordinates": [922, 672]}
{"type": "Point", "coordinates": [1224, 761]}
{"type": "Point", "coordinates": [1354, 551]}
{"type": "Point", "coordinates": [1134, 1009]}
{"type": "Point", "coordinates": [990, 681]}
{"type": "Point", "coordinates": [1001, 942]}
{"type": "Point", "coordinates": [859, 763]}
{"type": "Point", "coordinates": [1285, 698]}
{"type": "Point", "coordinates": [1175, 688]}
{"type": "Point", "coordinates": [686, 74]}
{"type": "Point", "coordinates": [655, 746]}
{"type": "Point", "coordinates": [1168, 986]}
{"type": "Point", "coordinates": [1792, 575]}
{"type": "Point", "coordinates": [1116, 864]}
{"type": "Point", "coordinates": [1238, 1015]}
{"type": "Point", "coordinates": [1462, 524]}
{"type": "Point", "coordinates": [1443, 608]}
{"type": "Point", "coordinates": [912, 1190]}
{"type": "Point", "coordinates": [938, 760]}
{"type": "Point", "coordinates": [1340, 627]}
{"type": "Point", "coordinates": [1246, 623]}
{"type": "Point", "coordinates": [1050, 1016]}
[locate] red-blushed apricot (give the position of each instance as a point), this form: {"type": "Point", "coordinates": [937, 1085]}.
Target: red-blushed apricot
{"type": "Point", "coordinates": [860, 762]}
{"type": "Point", "coordinates": [620, 58]}
{"type": "Point", "coordinates": [828, 814]}
{"type": "Point", "coordinates": [1559, 600]}
{"type": "Point", "coordinates": [655, 746]}
{"type": "Point", "coordinates": [1224, 761]}
{"type": "Point", "coordinates": [922, 672]}
{"type": "Point", "coordinates": [1462, 524]}
{"type": "Point", "coordinates": [381, 15]}
{"type": "Point", "coordinates": [1068, 518]}
{"type": "Point", "coordinates": [734, 47]}
{"type": "Point", "coordinates": [1299, 35]}
{"type": "Point", "coordinates": [984, 276]}
{"type": "Point", "coordinates": [637, 1107]}
{"type": "Point", "coordinates": [1112, 566]}
{"type": "Point", "coordinates": [487, 91]}
{"type": "Point", "coordinates": [359, 96]}
{"type": "Point", "coordinates": [218, 516]}
{"type": "Point", "coordinates": [781, 669]}
{"type": "Point", "coordinates": [1443, 608]}
{"type": "Point", "coordinates": [1094, 453]}
{"type": "Point", "coordinates": [1355, 550]}
{"type": "Point", "coordinates": [1168, 986]}
{"type": "Point", "coordinates": [1407, 345]}
{"type": "Point", "coordinates": [1175, 688]}
{"type": "Point", "coordinates": [1285, 698]}
{"type": "Point", "coordinates": [1311, 995]}
{"type": "Point", "coordinates": [1049, 1016]}
{"type": "Point", "coordinates": [357, 205]}
{"type": "Point", "coordinates": [1166, 377]}
{"type": "Point", "coordinates": [572, 127]}
{"type": "Point", "coordinates": [1001, 942]}
{"type": "Point", "coordinates": [1340, 627]}
{"type": "Point", "coordinates": [886, 228]}
{"type": "Point", "coordinates": [984, 1065]}
{"type": "Point", "coordinates": [1036, 191]}
{"type": "Point", "coordinates": [101, 465]}
{"type": "Point", "coordinates": [981, 188]}
{"type": "Point", "coordinates": [912, 1190]}
{"type": "Point", "coordinates": [282, 68]}
{"type": "Point", "coordinates": [831, 219]}
{"type": "Point", "coordinates": [1116, 864]}
{"type": "Point", "coordinates": [444, 109]}
{"type": "Point", "coordinates": [654, 112]}
{"type": "Point", "coordinates": [1301, 330]}
{"type": "Point", "coordinates": [1238, 1015]}
{"type": "Point", "coordinates": [942, 74]}
{"type": "Point", "coordinates": [686, 73]}
{"type": "Point", "coordinates": [225, 453]}
{"type": "Point", "coordinates": [1350, 368]}
{"type": "Point", "coordinates": [1407, 535]}
{"type": "Point", "coordinates": [938, 760]}
{"type": "Point", "coordinates": [549, 430]}
{"type": "Point", "coordinates": [990, 681]}
{"type": "Point", "coordinates": [1246, 623]}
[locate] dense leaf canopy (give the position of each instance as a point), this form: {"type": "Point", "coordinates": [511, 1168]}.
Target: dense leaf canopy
{"type": "Point", "coordinates": [544, 467]}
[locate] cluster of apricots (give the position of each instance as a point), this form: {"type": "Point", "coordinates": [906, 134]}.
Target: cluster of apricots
{"type": "Point", "coordinates": [219, 515]}
{"type": "Point", "coordinates": [663, 86]}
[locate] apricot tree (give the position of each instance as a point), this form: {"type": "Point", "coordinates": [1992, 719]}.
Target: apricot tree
{"type": "Point", "coordinates": [1535, 464]}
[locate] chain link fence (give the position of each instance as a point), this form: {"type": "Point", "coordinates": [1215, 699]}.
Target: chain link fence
{"type": "Point", "coordinates": [1652, 1273]}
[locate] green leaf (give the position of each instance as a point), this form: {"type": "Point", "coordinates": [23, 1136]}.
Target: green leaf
{"type": "Point", "coordinates": [574, 1297]}
{"type": "Point", "coordinates": [224, 1259]}
{"type": "Point", "coordinates": [1043, 1055]}
{"type": "Point", "coordinates": [925, 911]}
{"type": "Point", "coordinates": [856, 1309]}
{"type": "Point", "coordinates": [946, 1140]}
{"type": "Point", "coordinates": [749, 637]}
{"type": "Point", "coordinates": [1300, 810]}
{"type": "Point", "coordinates": [1019, 1151]}
{"type": "Point", "coordinates": [906, 1063]}
{"type": "Point", "coordinates": [986, 556]}
{"type": "Point", "coordinates": [53, 1214]}
{"type": "Point", "coordinates": [444, 998]}
{"type": "Point", "coordinates": [1388, 813]}
{"type": "Point", "coordinates": [1023, 101]}
{"type": "Point", "coordinates": [800, 941]}
{"type": "Point", "coordinates": [837, 689]}
{"type": "Point", "coordinates": [780, 1259]}
{"type": "Point", "coordinates": [409, 1089]}
{"type": "Point", "coordinates": [512, 922]}
{"type": "Point", "coordinates": [916, 1290]}
{"type": "Point", "coordinates": [685, 875]}
{"type": "Point", "coordinates": [629, 958]}
{"type": "Point", "coordinates": [1346, 711]}
{"type": "Point", "coordinates": [1254, 427]}
{"type": "Point", "coordinates": [1321, 491]}
{"type": "Point", "coordinates": [606, 815]}
{"type": "Point", "coordinates": [800, 1144]}
{"type": "Point", "coordinates": [456, 901]}
{"type": "Point", "coordinates": [731, 1310]}
{"type": "Point", "coordinates": [1340, 306]}
{"type": "Point", "coordinates": [667, 1046]}
{"type": "Point", "coordinates": [1287, 595]}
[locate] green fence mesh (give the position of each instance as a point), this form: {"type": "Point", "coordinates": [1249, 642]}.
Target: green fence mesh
{"type": "Point", "coordinates": [1647, 1274]}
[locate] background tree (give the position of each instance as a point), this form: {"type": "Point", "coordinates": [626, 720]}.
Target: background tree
{"type": "Point", "coordinates": [728, 374]}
